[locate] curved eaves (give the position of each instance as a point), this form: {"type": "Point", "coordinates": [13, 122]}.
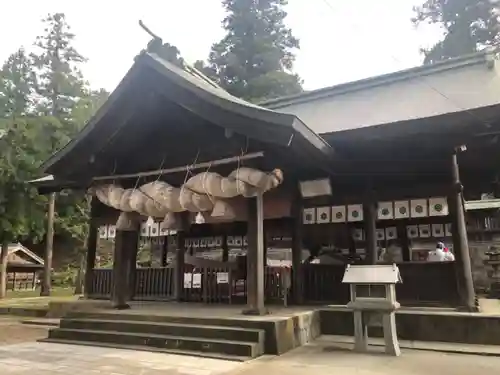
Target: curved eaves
{"type": "Point", "coordinates": [218, 97]}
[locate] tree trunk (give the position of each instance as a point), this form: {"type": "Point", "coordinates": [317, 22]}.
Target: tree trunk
{"type": "Point", "coordinates": [79, 275]}
{"type": "Point", "coordinates": [47, 271]}
{"type": "Point", "coordinates": [3, 268]}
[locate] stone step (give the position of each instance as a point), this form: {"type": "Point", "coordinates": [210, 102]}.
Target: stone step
{"type": "Point", "coordinates": [225, 357]}
{"type": "Point", "coordinates": [171, 329]}
{"type": "Point", "coordinates": [34, 312]}
{"type": "Point", "coordinates": [43, 322]}
{"type": "Point", "coordinates": [203, 345]}
{"type": "Point", "coordinates": [178, 319]}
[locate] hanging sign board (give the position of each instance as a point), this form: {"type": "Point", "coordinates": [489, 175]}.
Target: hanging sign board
{"type": "Point", "coordinates": [222, 278]}
{"type": "Point", "coordinates": [188, 280]}
{"type": "Point", "coordinates": [196, 280]}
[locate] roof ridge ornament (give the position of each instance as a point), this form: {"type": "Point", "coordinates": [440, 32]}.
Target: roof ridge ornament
{"type": "Point", "coordinates": [166, 51]}
{"type": "Point", "coordinates": [154, 44]}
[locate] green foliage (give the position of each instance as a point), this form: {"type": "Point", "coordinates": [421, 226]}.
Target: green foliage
{"type": "Point", "coordinates": [65, 96]}
{"type": "Point", "coordinates": [64, 277]}
{"type": "Point", "coordinates": [87, 105]}
{"type": "Point", "coordinates": [44, 102]}
{"type": "Point", "coordinates": [72, 217]}
{"type": "Point", "coordinates": [22, 210]}
{"type": "Point", "coordinates": [469, 25]}
{"type": "Point", "coordinates": [17, 85]}
{"type": "Point", "coordinates": [255, 58]}
{"type": "Point", "coordinates": [60, 82]}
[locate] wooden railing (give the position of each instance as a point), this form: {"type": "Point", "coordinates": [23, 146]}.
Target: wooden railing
{"type": "Point", "coordinates": [226, 285]}
{"type": "Point", "coordinates": [322, 283]}
{"type": "Point", "coordinates": [424, 284]}
{"type": "Point", "coordinates": [102, 281]}
{"type": "Point", "coordinates": [431, 284]}
{"type": "Point", "coordinates": [210, 285]}
{"type": "Point", "coordinates": [202, 284]}
{"type": "Point", "coordinates": [154, 284]}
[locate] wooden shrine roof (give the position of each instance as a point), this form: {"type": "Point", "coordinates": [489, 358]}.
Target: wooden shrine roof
{"type": "Point", "coordinates": [21, 259]}
{"type": "Point", "coordinates": [455, 85]}
{"type": "Point", "coordinates": [21, 254]}
{"type": "Point", "coordinates": [163, 116]}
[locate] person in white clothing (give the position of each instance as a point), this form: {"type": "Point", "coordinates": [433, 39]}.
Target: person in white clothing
{"type": "Point", "coordinates": [448, 255]}
{"type": "Point", "coordinates": [441, 254]}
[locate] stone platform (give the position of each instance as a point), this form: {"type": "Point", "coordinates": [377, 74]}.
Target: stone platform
{"type": "Point", "coordinates": [415, 324]}
{"type": "Point", "coordinates": [283, 329]}
{"type": "Point", "coordinates": [190, 328]}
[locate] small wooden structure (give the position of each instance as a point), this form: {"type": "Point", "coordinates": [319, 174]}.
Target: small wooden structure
{"type": "Point", "coordinates": [23, 268]}
{"type": "Point", "coordinates": [383, 184]}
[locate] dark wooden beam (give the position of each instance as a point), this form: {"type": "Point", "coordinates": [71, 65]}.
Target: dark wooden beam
{"type": "Point", "coordinates": [225, 248]}
{"type": "Point", "coordinates": [297, 243]}
{"type": "Point", "coordinates": [255, 258]}
{"type": "Point", "coordinates": [132, 264]}
{"type": "Point", "coordinates": [91, 249]}
{"type": "Point", "coordinates": [164, 251]}
{"type": "Point", "coordinates": [180, 251]}
{"type": "Point", "coordinates": [126, 243]}
{"type": "Point", "coordinates": [370, 221]}
{"type": "Point", "coordinates": [182, 168]}
{"type": "Point", "coordinates": [460, 241]}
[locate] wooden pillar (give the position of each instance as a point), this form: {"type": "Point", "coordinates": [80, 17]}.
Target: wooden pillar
{"type": "Point", "coordinates": [225, 249]}
{"type": "Point", "coordinates": [79, 275]}
{"type": "Point", "coordinates": [49, 244]}
{"type": "Point", "coordinates": [91, 251]}
{"type": "Point", "coordinates": [125, 245]}
{"type": "Point", "coordinates": [255, 258]}
{"type": "Point", "coordinates": [132, 263]}
{"type": "Point", "coordinates": [370, 220]}
{"type": "Point", "coordinates": [460, 241]}
{"type": "Point", "coordinates": [404, 242]}
{"type": "Point", "coordinates": [179, 257]}
{"type": "Point", "coordinates": [297, 240]}
{"type": "Point", "coordinates": [164, 252]}
{"type": "Point", "coordinates": [4, 253]}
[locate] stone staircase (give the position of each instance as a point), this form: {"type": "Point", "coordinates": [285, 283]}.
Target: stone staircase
{"type": "Point", "coordinates": [177, 335]}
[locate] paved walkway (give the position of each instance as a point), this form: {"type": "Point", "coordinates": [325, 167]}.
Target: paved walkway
{"type": "Point", "coordinates": [319, 359]}
{"type": "Point", "coordinates": [316, 359]}
{"type": "Point", "coordinates": [56, 359]}
{"type": "Point", "coordinates": [12, 331]}
{"type": "Point", "coordinates": [444, 347]}
{"type": "Point", "coordinates": [489, 306]}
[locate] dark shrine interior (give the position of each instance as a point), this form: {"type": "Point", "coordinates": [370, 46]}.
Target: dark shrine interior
{"type": "Point", "coordinates": [406, 154]}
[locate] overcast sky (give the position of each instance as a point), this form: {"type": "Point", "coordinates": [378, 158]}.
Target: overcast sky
{"type": "Point", "coordinates": [340, 42]}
